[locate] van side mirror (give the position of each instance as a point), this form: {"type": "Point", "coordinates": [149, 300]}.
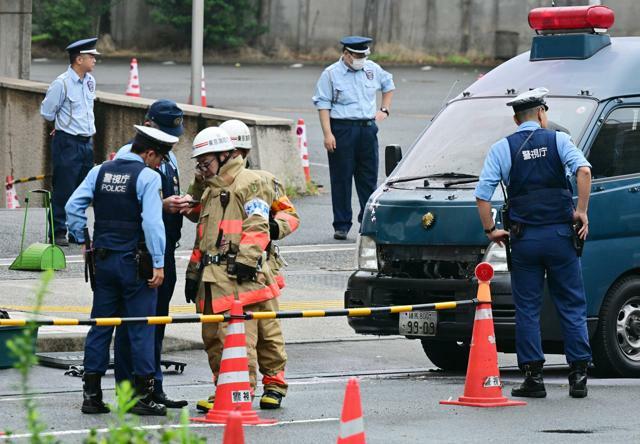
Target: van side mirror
{"type": "Point", "coordinates": [392, 157]}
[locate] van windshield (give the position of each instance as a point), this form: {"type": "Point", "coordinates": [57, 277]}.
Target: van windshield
{"type": "Point", "coordinates": [457, 142]}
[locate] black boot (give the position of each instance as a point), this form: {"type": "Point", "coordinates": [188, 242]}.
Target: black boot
{"type": "Point", "coordinates": [162, 398]}
{"type": "Point", "coordinates": [146, 405]}
{"type": "Point", "coordinates": [578, 379]}
{"type": "Point", "coordinates": [92, 394]}
{"type": "Point", "coordinates": [533, 385]}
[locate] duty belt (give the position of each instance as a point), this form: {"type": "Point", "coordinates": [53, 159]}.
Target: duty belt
{"type": "Point", "coordinates": [216, 259]}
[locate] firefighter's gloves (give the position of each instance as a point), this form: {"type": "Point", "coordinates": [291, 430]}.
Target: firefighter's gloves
{"type": "Point", "coordinates": [245, 273]}
{"type": "Point", "coordinates": [274, 229]}
{"type": "Point", "coordinates": [191, 290]}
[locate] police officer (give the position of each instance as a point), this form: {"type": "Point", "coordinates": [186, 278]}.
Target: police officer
{"type": "Point", "coordinates": [128, 211]}
{"type": "Point", "coordinates": [534, 162]}
{"type": "Point", "coordinates": [69, 102]}
{"type": "Point", "coordinates": [346, 101]}
{"type": "Point", "coordinates": [166, 116]}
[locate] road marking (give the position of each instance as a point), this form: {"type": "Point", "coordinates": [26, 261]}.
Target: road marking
{"type": "Point", "coordinates": [178, 309]}
{"type": "Point", "coordinates": [167, 426]}
{"type": "Point", "coordinates": [22, 398]}
{"type": "Point", "coordinates": [186, 254]}
{"type": "Point", "coordinates": [319, 164]}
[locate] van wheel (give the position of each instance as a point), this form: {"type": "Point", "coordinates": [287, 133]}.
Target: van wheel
{"type": "Point", "coordinates": [448, 355]}
{"type": "Point", "coordinates": [616, 344]}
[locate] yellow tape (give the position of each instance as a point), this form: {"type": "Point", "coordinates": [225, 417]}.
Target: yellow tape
{"type": "Point", "coordinates": [66, 322]}
{"type": "Point", "coordinates": [108, 322]}
{"type": "Point", "coordinates": [313, 313]}
{"type": "Point", "coordinates": [13, 322]}
{"type": "Point", "coordinates": [207, 319]}
{"type": "Point", "coordinates": [401, 308]}
{"type": "Point", "coordinates": [264, 315]}
{"type": "Point", "coordinates": [359, 311]}
{"type": "Point", "coordinates": [159, 320]}
{"type": "Point", "coordinates": [445, 305]}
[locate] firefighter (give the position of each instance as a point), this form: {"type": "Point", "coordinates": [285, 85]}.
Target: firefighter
{"type": "Point", "coordinates": [233, 233]}
{"type": "Point", "coordinates": [283, 220]}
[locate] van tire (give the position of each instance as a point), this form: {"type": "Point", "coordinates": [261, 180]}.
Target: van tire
{"type": "Point", "coordinates": [448, 355]}
{"type": "Point", "coordinates": [608, 356]}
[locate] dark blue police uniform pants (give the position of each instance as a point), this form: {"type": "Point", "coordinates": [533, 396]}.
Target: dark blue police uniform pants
{"type": "Point", "coordinates": [72, 160]}
{"type": "Point", "coordinates": [355, 156]}
{"type": "Point", "coordinates": [120, 293]}
{"type": "Point", "coordinates": [123, 354]}
{"type": "Point", "coordinates": [548, 248]}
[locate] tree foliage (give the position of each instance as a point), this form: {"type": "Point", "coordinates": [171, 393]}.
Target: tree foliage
{"type": "Point", "coordinates": [227, 23]}
{"type": "Point", "coordinates": [63, 21]}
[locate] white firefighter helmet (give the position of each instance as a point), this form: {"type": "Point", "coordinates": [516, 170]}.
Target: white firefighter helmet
{"type": "Point", "coordinates": [211, 140]}
{"type": "Point", "coordinates": [239, 133]}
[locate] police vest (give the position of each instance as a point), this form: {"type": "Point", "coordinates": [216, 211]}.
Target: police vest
{"type": "Point", "coordinates": [539, 192]}
{"type": "Point", "coordinates": [118, 213]}
{"type": "Point", "coordinates": [172, 222]}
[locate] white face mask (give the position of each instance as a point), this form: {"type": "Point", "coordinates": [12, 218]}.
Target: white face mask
{"type": "Point", "coordinates": [358, 64]}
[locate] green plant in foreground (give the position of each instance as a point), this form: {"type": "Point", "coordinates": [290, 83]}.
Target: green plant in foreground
{"type": "Point", "coordinates": [23, 349]}
{"type": "Point", "coordinates": [124, 429]}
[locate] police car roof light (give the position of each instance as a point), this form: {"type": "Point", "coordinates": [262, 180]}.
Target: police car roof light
{"type": "Point", "coordinates": [595, 18]}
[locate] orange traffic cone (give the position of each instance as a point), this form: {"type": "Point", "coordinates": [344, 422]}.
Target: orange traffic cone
{"type": "Point", "coordinates": [233, 390]}
{"type": "Point", "coordinates": [482, 387]}
{"type": "Point", "coordinates": [301, 132]}
{"type": "Point", "coordinates": [133, 86]}
{"type": "Point", "coordinates": [10, 194]}
{"type": "Point", "coordinates": [233, 432]}
{"type": "Point", "coordinates": [351, 421]}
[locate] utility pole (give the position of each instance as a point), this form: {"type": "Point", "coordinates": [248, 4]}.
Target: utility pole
{"type": "Point", "coordinates": [197, 39]}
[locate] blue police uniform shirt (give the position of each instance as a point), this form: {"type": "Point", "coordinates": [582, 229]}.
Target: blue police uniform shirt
{"type": "Point", "coordinates": [69, 101]}
{"type": "Point", "coordinates": [148, 188]}
{"type": "Point", "coordinates": [498, 162]}
{"type": "Point", "coordinates": [351, 94]}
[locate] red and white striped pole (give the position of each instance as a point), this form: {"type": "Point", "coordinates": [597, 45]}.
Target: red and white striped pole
{"type": "Point", "coordinates": [10, 194]}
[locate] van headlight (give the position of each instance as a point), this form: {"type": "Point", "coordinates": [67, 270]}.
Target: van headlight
{"type": "Point", "coordinates": [497, 257]}
{"type": "Point", "coordinates": [367, 254]}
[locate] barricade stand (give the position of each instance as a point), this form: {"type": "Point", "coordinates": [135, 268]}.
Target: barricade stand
{"type": "Point", "coordinates": [233, 433]}
{"type": "Point", "coordinates": [133, 85]}
{"type": "Point", "coordinates": [233, 390]}
{"type": "Point", "coordinates": [301, 133]}
{"type": "Point", "coordinates": [351, 420]}
{"type": "Point", "coordinates": [483, 387]}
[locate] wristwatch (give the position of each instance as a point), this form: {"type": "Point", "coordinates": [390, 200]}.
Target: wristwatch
{"type": "Point", "coordinates": [490, 230]}
{"type": "Point", "coordinates": [385, 110]}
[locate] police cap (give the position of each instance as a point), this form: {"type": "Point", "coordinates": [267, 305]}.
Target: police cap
{"type": "Point", "coordinates": [529, 99]}
{"type": "Point", "coordinates": [154, 139]}
{"type": "Point", "coordinates": [357, 44]}
{"type": "Point", "coordinates": [84, 46]}
{"type": "Point", "coordinates": [167, 116]}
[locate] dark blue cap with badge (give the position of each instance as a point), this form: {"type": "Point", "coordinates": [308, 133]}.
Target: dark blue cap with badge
{"type": "Point", "coordinates": [357, 44]}
{"type": "Point", "coordinates": [84, 46]}
{"type": "Point", "coordinates": [167, 116]}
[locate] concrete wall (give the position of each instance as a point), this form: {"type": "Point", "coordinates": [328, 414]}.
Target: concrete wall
{"type": "Point", "coordinates": [429, 26]}
{"type": "Point", "coordinates": [25, 142]}
{"type": "Point", "coordinates": [15, 44]}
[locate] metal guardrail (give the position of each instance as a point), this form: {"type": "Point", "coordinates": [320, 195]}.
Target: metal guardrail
{"type": "Point", "coordinates": [200, 318]}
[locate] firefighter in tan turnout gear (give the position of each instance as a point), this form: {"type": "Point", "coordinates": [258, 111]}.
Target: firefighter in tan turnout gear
{"type": "Point", "coordinates": [244, 233]}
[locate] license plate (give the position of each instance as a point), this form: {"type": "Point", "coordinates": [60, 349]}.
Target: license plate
{"type": "Point", "coordinates": [418, 323]}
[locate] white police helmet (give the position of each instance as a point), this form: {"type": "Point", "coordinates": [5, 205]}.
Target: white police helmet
{"type": "Point", "coordinates": [239, 133]}
{"type": "Point", "coordinates": [211, 140]}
